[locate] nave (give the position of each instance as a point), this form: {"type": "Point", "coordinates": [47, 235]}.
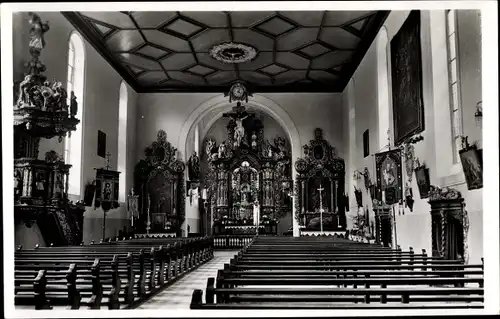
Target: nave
{"type": "Point", "coordinates": [269, 272]}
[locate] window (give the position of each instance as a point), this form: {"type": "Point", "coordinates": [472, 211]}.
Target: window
{"type": "Point", "coordinates": [73, 143]}
{"type": "Point", "coordinates": [122, 142]}
{"type": "Point", "coordinates": [453, 80]}
{"type": "Point", "coordinates": [384, 107]}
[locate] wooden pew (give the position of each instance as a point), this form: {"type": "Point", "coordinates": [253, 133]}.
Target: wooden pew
{"type": "Point", "coordinates": [312, 273]}
{"type": "Point", "coordinates": [112, 275]}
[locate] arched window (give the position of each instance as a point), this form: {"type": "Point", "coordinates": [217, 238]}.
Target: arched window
{"type": "Point", "coordinates": [453, 81]}
{"type": "Point", "coordinates": [122, 141]}
{"type": "Point", "coordinates": [73, 144]}
{"type": "Point", "coordinates": [383, 89]}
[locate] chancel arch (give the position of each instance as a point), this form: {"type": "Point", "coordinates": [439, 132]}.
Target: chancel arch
{"type": "Point", "coordinates": [257, 102]}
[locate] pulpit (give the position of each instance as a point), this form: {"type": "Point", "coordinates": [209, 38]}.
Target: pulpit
{"type": "Point", "coordinates": [319, 187]}
{"type": "Point", "coordinates": [41, 110]}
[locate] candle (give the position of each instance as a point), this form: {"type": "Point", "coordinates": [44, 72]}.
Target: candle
{"type": "Point", "coordinates": [204, 193]}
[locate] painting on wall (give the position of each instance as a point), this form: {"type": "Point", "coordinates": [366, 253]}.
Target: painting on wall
{"type": "Point", "coordinates": [406, 71]}
{"type": "Point", "coordinates": [423, 181]}
{"type": "Point", "coordinates": [472, 166]}
{"type": "Point", "coordinates": [389, 176]}
{"type": "Point", "coordinates": [101, 144]}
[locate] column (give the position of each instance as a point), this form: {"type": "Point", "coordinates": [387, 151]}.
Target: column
{"type": "Point", "coordinates": [295, 223]}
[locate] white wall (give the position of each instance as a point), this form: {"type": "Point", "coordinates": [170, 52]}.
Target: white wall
{"type": "Point", "coordinates": [100, 106]}
{"type": "Point", "coordinates": [414, 228]}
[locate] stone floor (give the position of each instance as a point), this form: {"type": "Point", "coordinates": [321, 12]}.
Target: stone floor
{"type": "Point", "coordinates": [178, 296]}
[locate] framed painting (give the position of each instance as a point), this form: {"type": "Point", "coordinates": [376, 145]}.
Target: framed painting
{"type": "Point", "coordinates": [101, 144]}
{"type": "Point", "coordinates": [406, 72]}
{"type": "Point", "coordinates": [423, 181]}
{"type": "Point", "coordinates": [472, 166]}
{"type": "Point", "coordinates": [389, 176]}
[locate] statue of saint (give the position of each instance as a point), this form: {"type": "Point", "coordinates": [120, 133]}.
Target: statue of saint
{"type": "Point", "coordinates": [73, 105]}
{"type": "Point", "coordinates": [222, 150]}
{"type": "Point", "coordinates": [38, 28]}
{"type": "Point", "coordinates": [194, 167]}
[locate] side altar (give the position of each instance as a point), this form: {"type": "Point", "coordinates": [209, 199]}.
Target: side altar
{"type": "Point", "coordinates": [319, 187]}
{"type": "Point", "coordinates": [248, 181]}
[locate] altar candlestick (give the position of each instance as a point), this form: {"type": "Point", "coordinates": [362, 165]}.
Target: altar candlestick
{"type": "Point", "coordinates": [321, 189]}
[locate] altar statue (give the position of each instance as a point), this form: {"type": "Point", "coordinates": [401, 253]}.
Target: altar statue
{"type": "Point", "coordinates": [239, 130]}
{"type": "Point", "coordinates": [256, 212]}
{"type": "Point", "coordinates": [222, 150]}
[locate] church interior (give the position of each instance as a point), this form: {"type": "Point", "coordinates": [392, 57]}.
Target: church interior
{"type": "Point", "coordinates": [193, 159]}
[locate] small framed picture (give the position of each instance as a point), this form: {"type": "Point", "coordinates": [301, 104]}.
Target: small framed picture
{"type": "Point", "coordinates": [472, 166]}
{"type": "Point", "coordinates": [423, 181]}
{"type": "Point", "coordinates": [101, 144]}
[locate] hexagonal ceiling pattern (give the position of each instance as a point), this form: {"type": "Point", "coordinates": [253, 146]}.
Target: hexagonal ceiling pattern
{"type": "Point", "coordinates": [297, 51]}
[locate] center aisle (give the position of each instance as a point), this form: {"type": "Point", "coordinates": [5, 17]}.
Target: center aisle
{"type": "Point", "coordinates": [178, 296]}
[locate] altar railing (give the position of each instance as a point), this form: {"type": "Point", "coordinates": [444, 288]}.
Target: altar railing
{"type": "Point", "coordinates": [232, 241]}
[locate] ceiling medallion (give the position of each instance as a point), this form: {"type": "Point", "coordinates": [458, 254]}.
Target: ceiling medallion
{"type": "Point", "coordinates": [231, 52]}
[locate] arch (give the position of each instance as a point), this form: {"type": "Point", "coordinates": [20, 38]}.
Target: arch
{"type": "Point", "coordinates": [260, 102]}
{"type": "Point", "coordinates": [73, 146]}
{"type": "Point", "coordinates": [384, 106]}
{"type": "Point", "coordinates": [122, 141]}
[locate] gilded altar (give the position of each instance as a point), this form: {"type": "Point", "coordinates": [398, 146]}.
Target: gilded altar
{"type": "Point", "coordinates": [248, 180]}
{"type": "Point", "coordinates": [160, 179]}
{"type": "Point", "coordinates": [319, 187]}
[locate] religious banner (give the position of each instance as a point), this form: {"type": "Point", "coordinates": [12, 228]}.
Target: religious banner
{"type": "Point", "coordinates": [406, 65]}
{"type": "Point", "coordinates": [107, 182]}
{"type": "Point", "coordinates": [389, 176]}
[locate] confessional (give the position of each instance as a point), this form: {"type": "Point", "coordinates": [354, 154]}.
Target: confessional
{"type": "Point", "coordinates": [320, 187]}
{"type": "Point", "coordinates": [449, 223]}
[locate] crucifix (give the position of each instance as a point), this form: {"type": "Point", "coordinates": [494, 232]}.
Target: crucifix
{"type": "Point", "coordinates": [321, 189]}
{"type": "Point", "coordinates": [238, 115]}
{"type": "Point", "coordinates": [108, 155]}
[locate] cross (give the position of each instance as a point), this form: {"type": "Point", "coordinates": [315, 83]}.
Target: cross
{"type": "Point", "coordinates": [108, 155]}
{"type": "Point", "coordinates": [238, 112]}
{"type": "Point", "coordinates": [321, 189]}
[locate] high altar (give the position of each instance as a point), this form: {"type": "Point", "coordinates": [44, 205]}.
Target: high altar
{"type": "Point", "coordinates": [248, 181]}
{"type": "Point", "coordinates": [319, 188]}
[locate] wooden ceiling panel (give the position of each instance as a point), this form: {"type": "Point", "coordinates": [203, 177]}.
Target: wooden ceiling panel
{"type": "Point", "coordinates": [151, 78]}
{"type": "Point", "coordinates": [245, 19]}
{"type": "Point", "coordinates": [206, 40]}
{"type": "Point", "coordinates": [290, 76]}
{"type": "Point", "coordinates": [222, 77]}
{"type": "Point", "coordinates": [291, 60]}
{"type": "Point", "coordinates": [154, 19]}
{"type": "Point", "coordinates": [212, 19]}
{"type": "Point", "coordinates": [166, 40]}
{"type": "Point", "coordinates": [187, 78]}
{"type": "Point", "coordinates": [139, 61]}
{"type": "Point", "coordinates": [263, 59]}
{"type": "Point", "coordinates": [117, 19]}
{"type": "Point", "coordinates": [124, 40]}
{"type": "Point", "coordinates": [340, 38]}
{"type": "Point", "coordinates": [256, 78]}
{"type": "Point", "coordinates": [257, 40]}
{"type": "Point", "coordinates": [338, 18]}
{"type": "Point", "coordinates": [306, 19]}
{"type": "Point", "coordinates": [206, 59]}
{"type": "Point", "coordinates": [296, 39]}
{"type": "Point", "coordinates": [331, 59]}
{"type": "Point", "coordinates": [178, 61]}
{"type": "Point", "coordinates": [297, 51]}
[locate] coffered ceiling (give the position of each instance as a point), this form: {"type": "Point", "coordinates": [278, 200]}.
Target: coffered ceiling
{"type": "Point", "coordinates": [297, 51]}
